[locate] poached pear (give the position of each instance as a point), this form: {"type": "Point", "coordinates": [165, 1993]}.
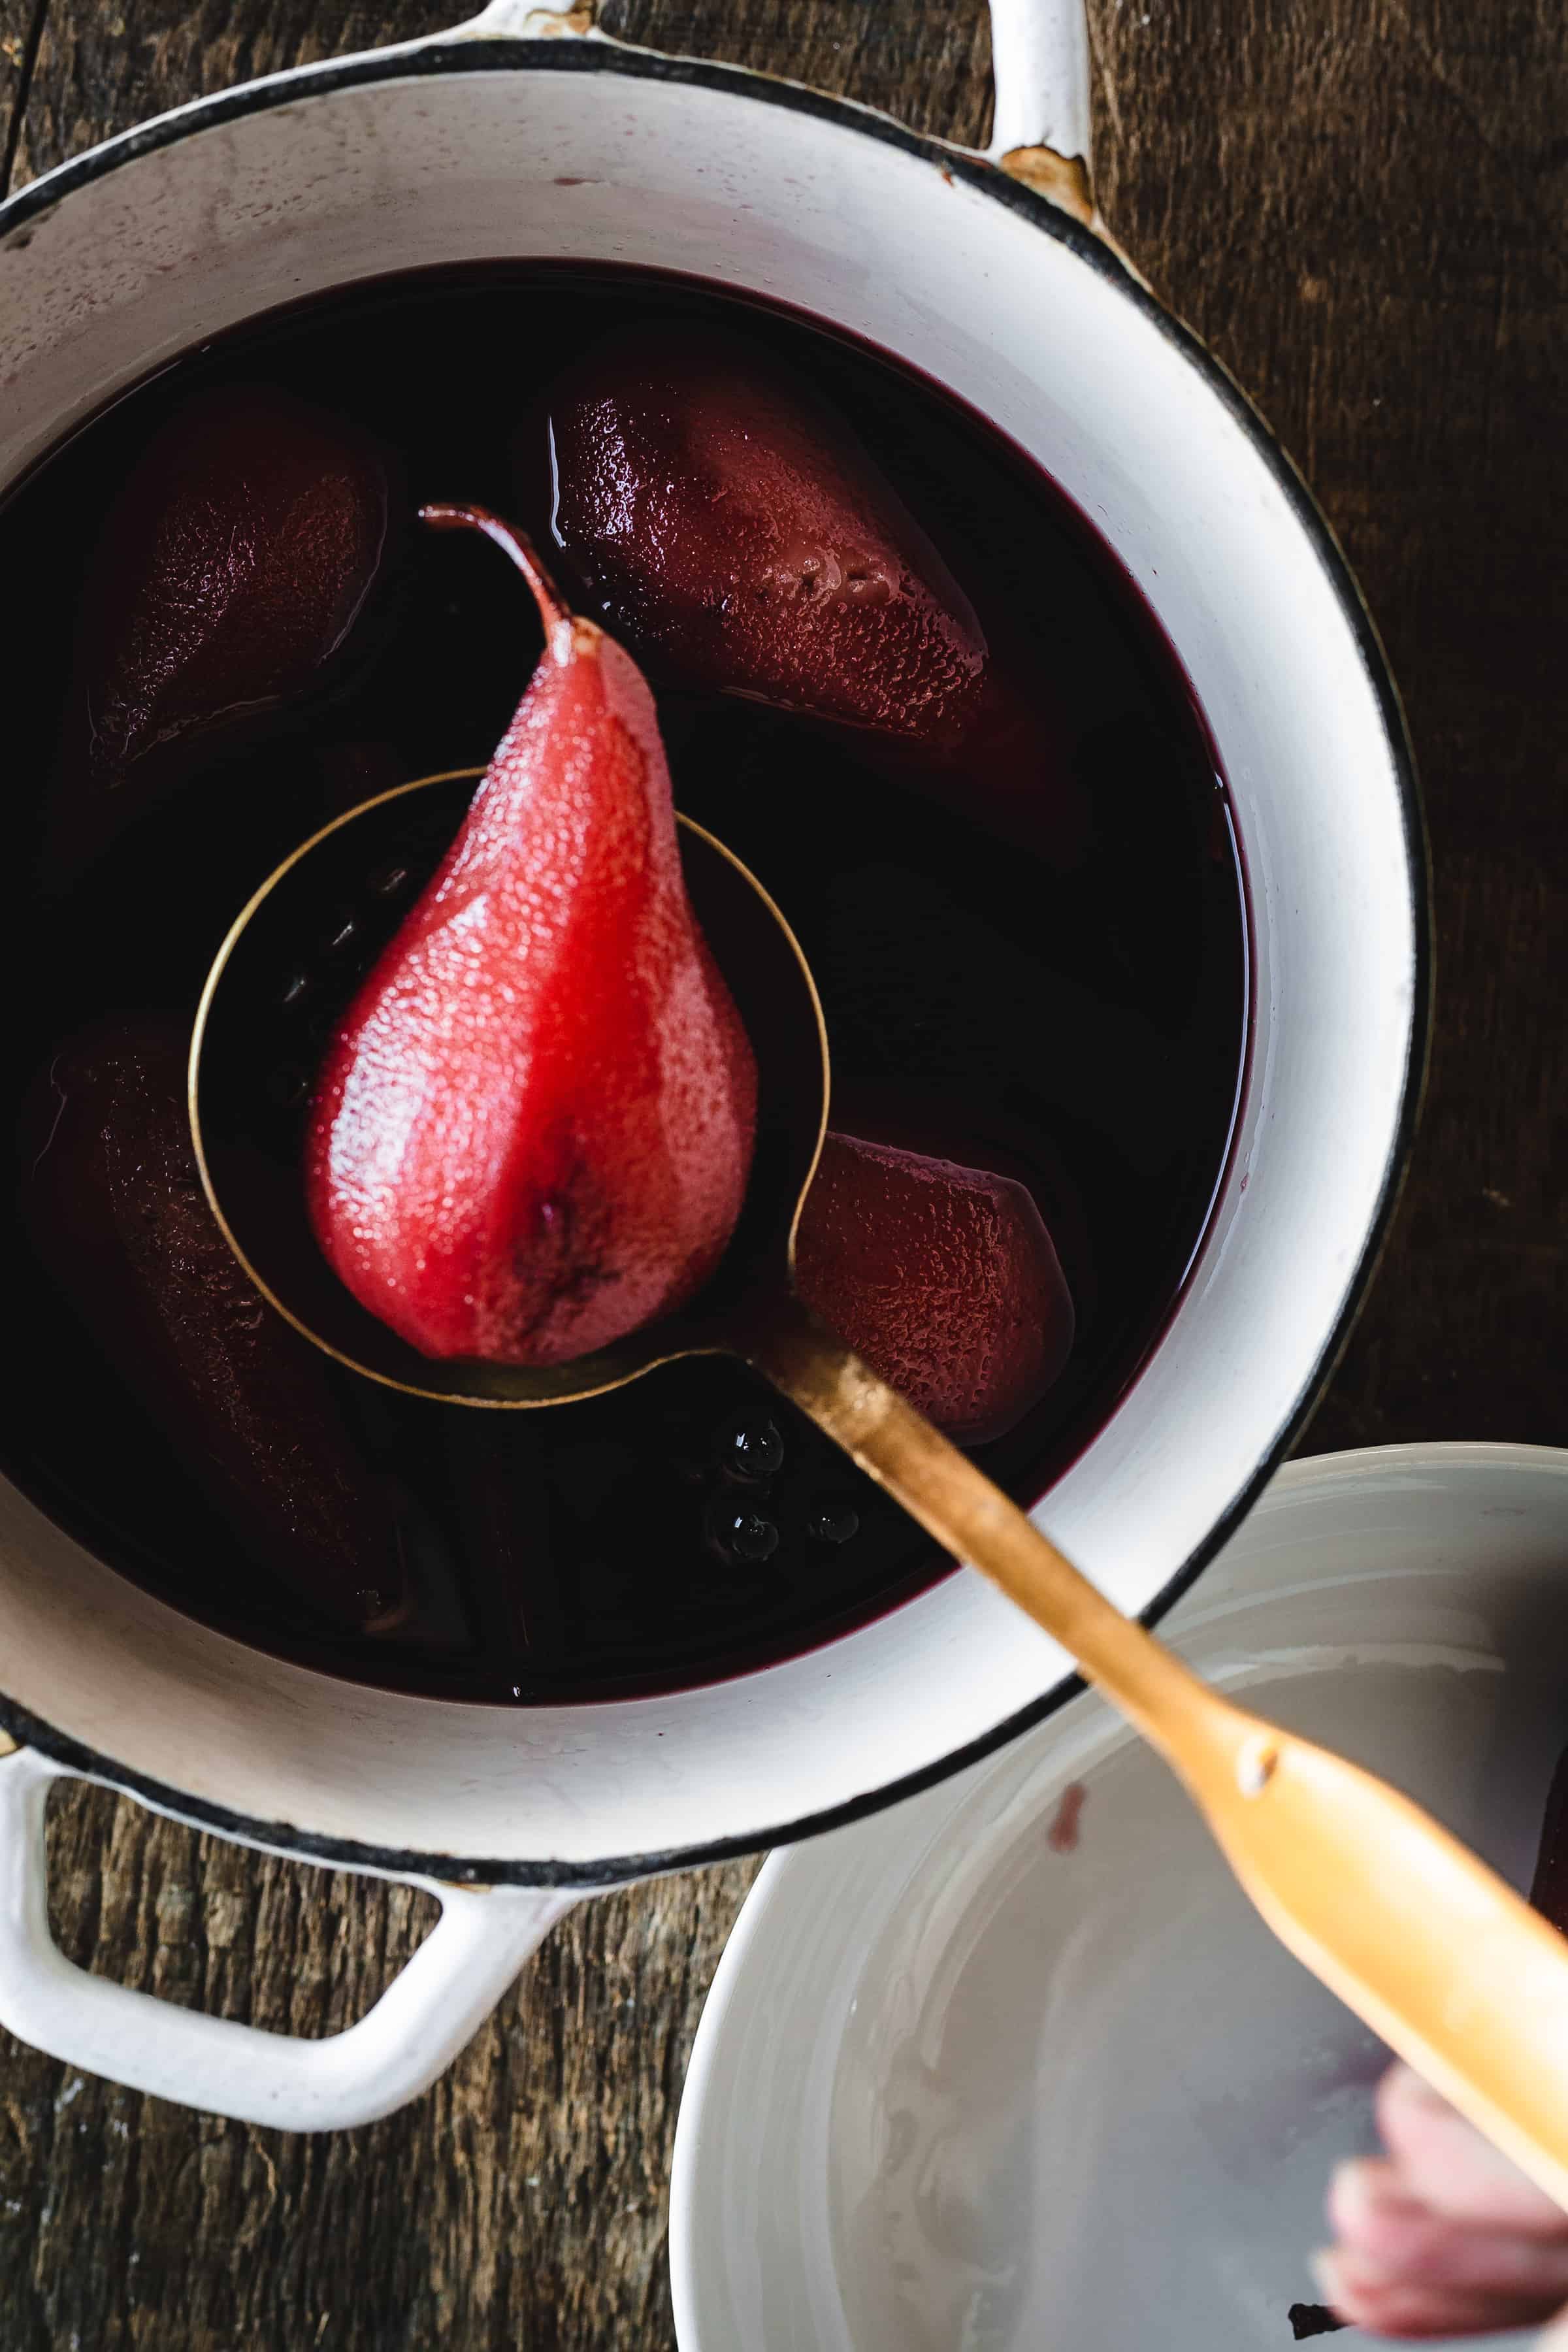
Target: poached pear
{"type": "Point", "coordinates": [115, 1208]}
{"type": "Point", "coordinates": [533, 1129]}
{"type": "Point", "coordinates": [943, 1277]}
{"type": "Point", "coordinates": [230, 572]}
{"type": "Point", "coordinates": [729, 525]}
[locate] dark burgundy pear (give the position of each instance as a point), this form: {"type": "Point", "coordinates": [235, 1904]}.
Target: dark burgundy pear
{"type": "Point", "coordinates": [731, 528]}
{"type": "Point", "coordinates": [227, 579]}
{"type": "Point", "coordinates": [943, 1277]}
{"type": "Point", "coordinates": [117, 1213]}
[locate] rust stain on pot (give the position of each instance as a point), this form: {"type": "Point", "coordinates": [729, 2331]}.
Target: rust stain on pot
{"type": "Point", "coordinates": [553, 24]}
{"type": "Point", "coordinates": [1064, 181]}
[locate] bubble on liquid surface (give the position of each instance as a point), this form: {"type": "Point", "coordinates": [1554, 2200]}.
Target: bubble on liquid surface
{"type": "Point", "coordinates": [751, 1449]}
{"type": "Point", "coordinates": [834, 1520]}
{"type": "Point", "coordinates": [740, 1535]}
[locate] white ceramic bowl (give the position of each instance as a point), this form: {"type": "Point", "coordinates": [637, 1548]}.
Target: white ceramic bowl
{"type": "Point", "coordinates": [956, 2090]}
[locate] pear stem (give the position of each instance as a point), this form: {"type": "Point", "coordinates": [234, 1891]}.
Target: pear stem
{"type": "Point", "coordinates": [517, 545]}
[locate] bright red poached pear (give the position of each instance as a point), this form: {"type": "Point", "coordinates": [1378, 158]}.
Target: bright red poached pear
{"type": "Point", "coordinates": [231, 570]}
{"type": "Point", "coordinates": [726, 522]}
{"type": "Point", "coordinates": [115, 1207]}
{"type": "Point", "coordinates": [944, 1278]}
{"type": "Point", "coordinates": [533, 1131]}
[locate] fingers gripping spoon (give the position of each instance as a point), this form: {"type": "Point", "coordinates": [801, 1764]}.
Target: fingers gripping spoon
{"type": "Point", "coordinates": [1413, 1932]}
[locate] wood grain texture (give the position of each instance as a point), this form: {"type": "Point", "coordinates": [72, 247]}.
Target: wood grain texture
{"type": "Point", "coordinates": [521, 2203]}
{"type": "Point", "coordinates": [1362, 205]}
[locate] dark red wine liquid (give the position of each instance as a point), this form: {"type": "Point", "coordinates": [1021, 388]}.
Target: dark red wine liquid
{"type": "Point", "coordinates": [1084, 1034]}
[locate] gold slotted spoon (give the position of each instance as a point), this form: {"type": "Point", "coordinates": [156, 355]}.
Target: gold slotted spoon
{"type": "Point", "coordinates": [1411, 1930]}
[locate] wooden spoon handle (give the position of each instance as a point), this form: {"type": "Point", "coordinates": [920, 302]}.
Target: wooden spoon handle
{"type": "Point", "coordinates": [975, 1521]}
{"type": "Point", "coordinates": [1412, 1931]}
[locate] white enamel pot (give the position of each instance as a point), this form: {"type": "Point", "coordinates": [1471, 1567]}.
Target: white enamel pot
{"type": "Point", "coordinates": [525, 135]}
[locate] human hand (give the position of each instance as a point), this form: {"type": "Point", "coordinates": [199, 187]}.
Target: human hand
{"type": "Point", "coordinates": [1442, 2236]}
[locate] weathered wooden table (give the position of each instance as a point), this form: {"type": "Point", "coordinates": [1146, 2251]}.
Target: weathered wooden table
{"type": "Point", "coordinates": [1362, 204]}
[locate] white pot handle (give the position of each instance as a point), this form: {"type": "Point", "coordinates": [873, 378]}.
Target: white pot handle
{"type": "Point", "coordinates": [398, 2049]}
{"type": "Point", "coordinates": [1040, 65]}
{"type": "Point", "coordinates": [1039, 51]}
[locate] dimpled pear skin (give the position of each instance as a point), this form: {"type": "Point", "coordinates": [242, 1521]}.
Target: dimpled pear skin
{"type": "Point", "coordinates": [944, 1278]}
{"type": "Point", "coordinates": [232, 567]}
{"type": "Point", "coordinates": [729, 527]}
{"type": "Point", "coordinates": [533, 1131]}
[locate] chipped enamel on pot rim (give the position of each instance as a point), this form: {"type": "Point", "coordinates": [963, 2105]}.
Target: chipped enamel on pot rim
{"type": "Point", "coordinates": [474, 148]}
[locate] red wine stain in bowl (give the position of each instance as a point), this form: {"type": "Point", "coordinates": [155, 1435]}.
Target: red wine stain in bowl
{"type": "Point", "coordinates": [1066, 1821]}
